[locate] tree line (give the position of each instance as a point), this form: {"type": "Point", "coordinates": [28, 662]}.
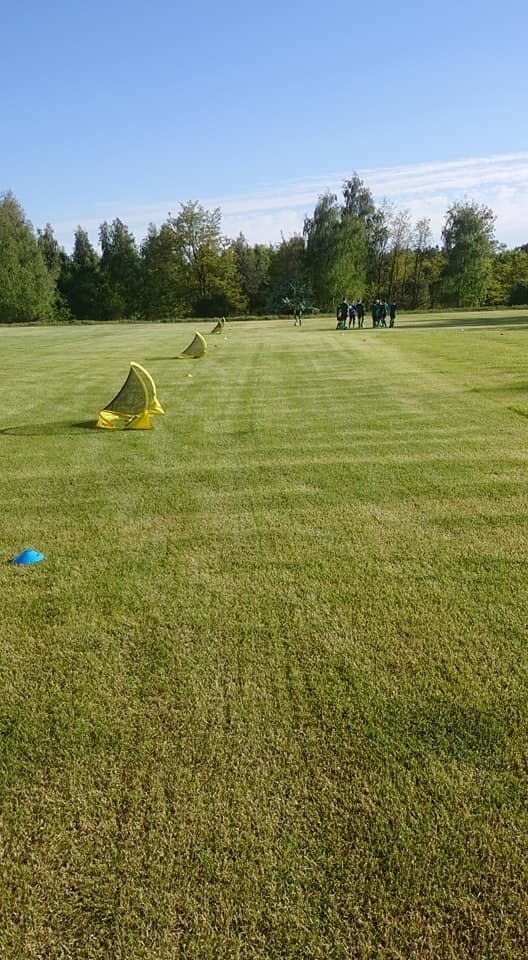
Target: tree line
{"type": "Point", "coordinates": [350, 246]}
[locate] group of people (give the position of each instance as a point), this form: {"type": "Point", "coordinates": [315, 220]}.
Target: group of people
{"type": "Point", "coordinates": [349, 313]}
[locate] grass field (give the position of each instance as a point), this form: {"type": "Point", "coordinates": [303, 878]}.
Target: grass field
{"type": "Point", "coordinates": [266, 697]}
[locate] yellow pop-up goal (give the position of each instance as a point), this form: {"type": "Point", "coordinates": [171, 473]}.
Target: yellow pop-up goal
{"type": "Point", "coordinates": [133, 406]}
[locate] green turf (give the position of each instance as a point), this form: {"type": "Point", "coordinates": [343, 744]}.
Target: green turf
{"type": "Point", "coordinates": [266, 697]}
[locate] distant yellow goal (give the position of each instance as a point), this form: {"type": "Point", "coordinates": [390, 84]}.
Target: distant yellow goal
{"type": "Point", "coordinates": [134, 404]}
{"type": "Point", "coordinates": [196, 349]}
{"type": "Point", "coordinates": [219, 326]}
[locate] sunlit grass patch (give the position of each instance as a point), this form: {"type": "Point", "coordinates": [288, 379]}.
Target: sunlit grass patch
{"type": "Point", "coordinates": [266, 695]}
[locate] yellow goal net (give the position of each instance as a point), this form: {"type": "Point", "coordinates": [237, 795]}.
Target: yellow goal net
{"type": "Point", "coordinates": [196, 349]}
{"type": "Point", "coordinates": [134, 404]}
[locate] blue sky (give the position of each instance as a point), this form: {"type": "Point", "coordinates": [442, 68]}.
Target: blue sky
{"type": "Point", "coordinates": [127, 109]}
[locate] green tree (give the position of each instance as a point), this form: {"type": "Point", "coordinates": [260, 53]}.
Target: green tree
{"type": "Point", "coordinates": [80, 282]}
{"type": "Point", "coordinates": [468, 239]}
{"type": "Point", "coordinates": [509, 277]}
{"type": "Point", "coordinates": [27, 288]}
{"type": "Point", "coordinates": [347, 244]}
{"type": "Point", "coordinates": [210, 282]}
{"type": "Point", "coordinates": [359, 214]}
{"type": "Point", "coordinates": [335, 252]}
{"type": "Point", "coordinates": [378, 237]}
{"type": "Point", "coordinates": [370, 243]}
{"type": "Point", "coordinates": [52, 253]}
{"type": "Point", "coordinates": [162, 273]}
{"type": "Point", "coordinates": [120, 271]}
{"type": "Point", "coordinates": [287, 273]}
{"type": "Point", "coordinates": [295, 298]}
{"type": "Point", "coordinates": [398, 260]}
{"type": "Point", "coordinates": [321, 232]}
{"type": "Point", "coordinates": [253, 269]}
{"type": "Point", "coordinates": [226, 297]}
{"type": "Point", "coordinates": [56, 261]}
{"type": "Point", "coordinates": [359, 202]}
{"type": "Point", "coordinates": [421, 241]}
{"type": "Point", "coordinates": [433, 265]}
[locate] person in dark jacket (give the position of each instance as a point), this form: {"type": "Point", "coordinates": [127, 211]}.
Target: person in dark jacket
{"type": "Point", "coordinates": [360, 307]}
{"type": "Point", "coordinates": [342, 314]}
{"type": "Point", "coordinates": [393, 311]}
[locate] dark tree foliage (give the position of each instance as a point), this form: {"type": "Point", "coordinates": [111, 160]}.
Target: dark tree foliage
{"type": "Point", "coordinates": [162, 275]}
{"type": "Point", "coordinates": [287, 269]}
{"type": "Point", "coordinates": [56, 262]}
{"type": "Point", "coordinates": [358, 200]}
{"type": "Point", "coordinates": [469, 244]}
{"type": "Point", "coordinates": [253, 269]}
{"type": "Point", "coordinates": [120, 271]}
{"type": "Point", "coordinates": [209, 283]}
{"type": "Point", "coordinates": [80, 282]}
{"type": "Point", "coordinates": [351, 247]}
{"type": "Point", "coordinates": [27, 288]}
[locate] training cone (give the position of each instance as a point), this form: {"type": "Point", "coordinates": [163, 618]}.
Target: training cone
{"type": "Point", "coordinates": [27, 557]}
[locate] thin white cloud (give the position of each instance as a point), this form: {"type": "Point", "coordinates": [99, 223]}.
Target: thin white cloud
{"type": "Point", "coordinates": [425, 189]}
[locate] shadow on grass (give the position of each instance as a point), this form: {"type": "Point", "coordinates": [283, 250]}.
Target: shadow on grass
{"type": "Point", "coordinates": [166, 357]}
{"type": "Point", "coordinates": [519, 386]}
{"type": "Point", "coordinates": [517, 322]}
{"type": "Point", "coordinates": [442, 323]}
{"type": "Point", "coordinates": [50, 429]}
{"type": "Point", "coordinates": [466, 731]}
{"type": "Point", "coordinates": [176, 356]}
